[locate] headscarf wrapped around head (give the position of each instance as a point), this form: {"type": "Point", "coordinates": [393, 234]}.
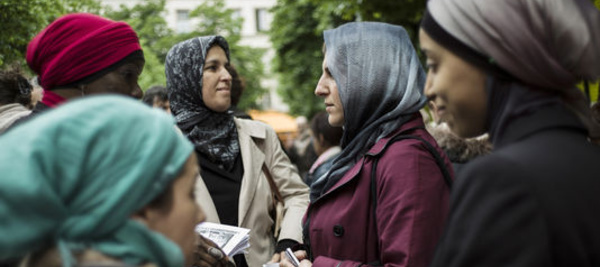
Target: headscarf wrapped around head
{"type": "Point", "coordinates": [213, 133]}
{"type": "Point", "coordinates": [74, 176]}
{"type": "Point", "coordinates": [77, 46]}
{"type": "Point", "coordinates": [541, 44]}
{"type": "Point", "coordinates": [380, 82]}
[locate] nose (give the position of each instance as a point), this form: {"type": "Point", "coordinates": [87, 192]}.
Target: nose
{"type": "Point", "coordinates": [429, 90]}
{"type": "Point", "coordinates": [321, 89]}
{"type": "Point", "coordinates": [201, 216]}
{"type": "Point", "coordinates": [225, 75]}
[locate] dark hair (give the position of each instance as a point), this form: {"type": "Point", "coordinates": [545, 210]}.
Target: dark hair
{"type": "Point", "coordinates": [319, 125]}
{"type": "Point", "coordinates": [237, 85]}
{"type": "Point", "coordinates": [155, 91]}
{"type": "Point", "coordinates": [14, 88]}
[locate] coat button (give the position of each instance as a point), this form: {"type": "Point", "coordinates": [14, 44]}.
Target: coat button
{"type": "Point", "coordinates": [338, 230]}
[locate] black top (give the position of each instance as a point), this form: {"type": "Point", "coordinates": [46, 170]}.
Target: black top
{"type": "Point", "coordinates": [533, 201]}
{"type": "Point", "coordinates": [224, 187]}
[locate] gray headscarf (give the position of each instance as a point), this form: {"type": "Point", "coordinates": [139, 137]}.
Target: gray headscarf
{"type": "Point", "coordinates": [380, 81]}
{"type": "Point", "coordinates": [546, 45]}
{"type": "Point", "coordinates": [213, 134]}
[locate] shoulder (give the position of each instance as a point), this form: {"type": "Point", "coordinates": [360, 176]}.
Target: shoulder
{"type": "Point", "coordinates": [256, 129]}
{"type": "Point", "coordinates": [493, 175]}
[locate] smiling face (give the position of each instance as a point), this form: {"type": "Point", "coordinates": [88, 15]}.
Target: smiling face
{"type": "Point", "coordinates": [456, 88]}
{"type": "Point", "coordinates": [216, 80]}
{"type": "Point", "coordinates": [123, 80]}
{"type": "Point", "coordinates": [328, 90]}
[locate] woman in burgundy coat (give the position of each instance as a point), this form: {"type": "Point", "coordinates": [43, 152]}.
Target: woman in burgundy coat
{"type": "Point", "coordinates": [372, 85]}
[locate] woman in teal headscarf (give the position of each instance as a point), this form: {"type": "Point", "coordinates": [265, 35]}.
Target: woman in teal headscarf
{"type": "Point", "coordinates": [102, 180]}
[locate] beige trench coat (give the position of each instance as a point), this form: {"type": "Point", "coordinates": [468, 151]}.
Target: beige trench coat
{"type": "Point", "coordinates": [259, 144]}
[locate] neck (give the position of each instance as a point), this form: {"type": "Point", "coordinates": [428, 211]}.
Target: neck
{"type": "Point", "coordinates": [68, 93]}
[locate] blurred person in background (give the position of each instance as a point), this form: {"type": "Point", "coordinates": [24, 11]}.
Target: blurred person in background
{"type": "Point", "coordinates": [237, 90]}
{"type": "Point", "coordinates": [109, 198]}
{"type": "Point", "coordinates": [326, 143]}
{"type": "Point", "coordinates": [157, 97]}
{"type": "Point", "coordinates": [510, 68]}
{"type": "Point", "coordinates": [242, 161]}
{"type": "Point", "coordinates": [16, 97]}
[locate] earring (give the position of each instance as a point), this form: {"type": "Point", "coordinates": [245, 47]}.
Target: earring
{"type": "Point", "coordinates": [82, 88]}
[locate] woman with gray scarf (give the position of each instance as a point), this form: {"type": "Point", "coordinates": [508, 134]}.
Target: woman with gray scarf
{"type": "Point", "coordinates": [384, 201]}
{"type": "Point", "coordinates": [241, 161]}
{"type": "Point", "coordinates": [509, 68]}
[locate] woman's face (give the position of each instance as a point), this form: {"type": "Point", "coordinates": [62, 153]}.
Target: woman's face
{"type": "Point", "coordinates": [456, 89]}
{"type": "Point", "coordinates": [216, 80]}
{"type": "Point", "coordinates": [178, 221]}
{"type": "Point", "coordinates": [123, 80]}
{"type": "Point", "coordinates": [328, 90]}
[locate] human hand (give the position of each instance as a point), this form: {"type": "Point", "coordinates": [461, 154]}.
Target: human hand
{"type": "Point", "coordinates": [209, 254]}
{"type": "Point", "coordinates": [302, 258]}
{"type": "Point", "coordinates": [277, 257]}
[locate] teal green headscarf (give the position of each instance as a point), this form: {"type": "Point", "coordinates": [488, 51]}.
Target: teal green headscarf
{"type": "Point", "coordinates": [74, 176]}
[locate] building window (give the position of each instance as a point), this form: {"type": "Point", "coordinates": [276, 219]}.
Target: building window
{"type": "Point", "coordinates": [263, 20]}
{"type": "Point", "coordinates": [183, 21]}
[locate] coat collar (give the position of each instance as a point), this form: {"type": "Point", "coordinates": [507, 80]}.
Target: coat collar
{"type": "Point", "coordinates": [415, 122]}
{"type": "Point", "coordinates": [546, 118]}
{"type": "Point", "coordinates": [253, 157]}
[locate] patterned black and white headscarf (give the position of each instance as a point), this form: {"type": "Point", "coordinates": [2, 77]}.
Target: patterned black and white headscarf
{"type": "Point", "coordinates": [213, 133]}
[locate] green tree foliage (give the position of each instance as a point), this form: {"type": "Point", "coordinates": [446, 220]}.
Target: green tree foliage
{"type": "Point", "coordinates": [214, 19]}
{"type": "Point", "coordinates": [407, 13]}
{"type": "Point", "coordinates": [155, 37]}
{"type": "Point", "coordinates": [297, 37]}
{"type": "Point", "coordinates": [298, 57]}
{"type": "Point", "coordinates": [21, 20]}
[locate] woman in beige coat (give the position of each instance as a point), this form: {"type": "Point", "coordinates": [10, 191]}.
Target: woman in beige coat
{"type": "Point", "coordinates": [236, 156]}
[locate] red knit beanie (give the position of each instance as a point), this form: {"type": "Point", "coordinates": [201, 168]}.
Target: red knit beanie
{"type": "Point", "coordinates": [78, 45]}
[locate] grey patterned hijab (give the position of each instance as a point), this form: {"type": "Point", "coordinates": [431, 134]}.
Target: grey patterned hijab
{"type": "Point", "coordinates": [213, 133]}
{"type": "Point", "coordinates": [380, 81]}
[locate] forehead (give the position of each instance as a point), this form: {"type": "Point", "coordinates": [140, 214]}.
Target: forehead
{"type": "Point", "coordinates": [216, 52]}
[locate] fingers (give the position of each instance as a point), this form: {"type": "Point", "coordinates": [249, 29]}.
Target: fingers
{"type": "Point", "coordinates": [276, 257]}
{"type": "Point", "coordinates": [301, 254]}
{"type": "Point", "coordinates": [209, 254]}
{"type": "Point", "coordinates": [305, 263]}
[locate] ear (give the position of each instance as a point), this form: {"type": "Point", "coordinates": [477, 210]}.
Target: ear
{"type": "Point", "coordinates": [321, 139]}
{"type": "Point", "coordinates": [146, 215]}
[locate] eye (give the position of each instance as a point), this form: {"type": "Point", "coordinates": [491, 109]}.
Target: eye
{"type": "Point", "coordinates": [211, 67]}
{"type": "Point", "coordinates": [328, 72]}
{"type": "Point", "coordinates": [430, 66]}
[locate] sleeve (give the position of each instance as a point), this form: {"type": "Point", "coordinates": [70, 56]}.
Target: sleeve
{"type": "Point", "coordinates": [495, 219]}
{"type": "Point", "coordinates": [293, 190]}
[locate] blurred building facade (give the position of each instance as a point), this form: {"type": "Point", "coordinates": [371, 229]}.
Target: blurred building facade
{"type": "Point", "coordinates": [257, 22]}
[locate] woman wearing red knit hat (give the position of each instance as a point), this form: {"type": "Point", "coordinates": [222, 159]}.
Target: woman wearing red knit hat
{"type": "Point", "coordinates": [84, 54]}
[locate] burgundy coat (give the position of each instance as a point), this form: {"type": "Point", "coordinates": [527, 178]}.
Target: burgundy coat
{"type": "Point", "coordinates": [412, 204]}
